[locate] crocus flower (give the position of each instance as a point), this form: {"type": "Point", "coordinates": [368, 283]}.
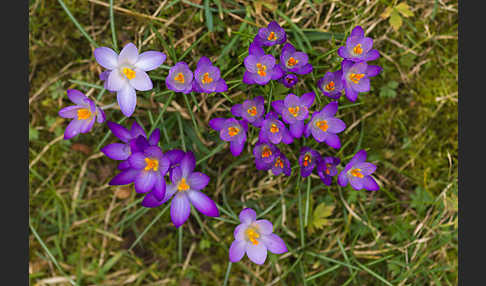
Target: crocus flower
{"type": "Point", "coordinates": [265, 154]}
{"type": "Point", "coordinates": [324, 126]}
{"type": "Point", "coordinates": [308, 160]}
{"type": "Point", "coordinates": [289, 80]}
{"type": "Point", "coordinates": [250, 110]}
{"type": "Point", "coordinates": [207, 77]}
{"type": "Point", "coordinates": [254, 237]}
{"type": "Point", "coordinates": [358, 47]}
{"type": "Point", "coordinates": [294, 111]}
{"type": "Point", "coordinates": [293, 61]}
{"type": "Point", "coordinates": [356, 77]}
{"type": "Point", "coordinates": [147, 170]}
{"type": "Point", "coordinates": [83, 114]}
{"type": "Point", "coordinates": [273, 34]}
{"type": "Point", "coordinates": [281, 165]}
{"type": "Point", "coordinates": [326, 169]}
{"type": "Point", "coordinates": [185, 190]}
{"type": "Point", "coordinates": [331, 84]}
{"type": "Point", "coordinates": [260, 67]}
{"type": "Point", "coordinates": [127, 72]}
{"type": "Point", "coordinates": [180, 78]}
{"type": "Point", "coordinates": [231, 130]}
{"type": "Point", "coordinates": [358, 172]}
{"type": "Point", "coordinates": [273, 130]}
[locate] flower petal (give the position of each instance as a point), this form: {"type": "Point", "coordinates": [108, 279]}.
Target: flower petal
{"type": "Point", "coordinates": [159, 187]}
{"type": "Point", "coordinates": [73, 129]}
{"type": "Point", "coordinates": [128, 55]}
{"type": "Point", "coordinates": [257, 253]}
{"type": "Point", "coordinates": [274, 243]}
{"type": "Point", "coordinates": [265, 226]}
{"type": "Point", "coordinates": [247, 215]}
{"type": "Point", "coordinates": [127, 100]}
{"type": "Point", "coordinates": [203, 203]}
{"type": "Point", "coordinates": [198, 181]}
{"type": "Point", "coordinates": [150, 201]}
{"type": "Point", "coordinates": [180, 209]}
{"type": "Point", "coordinates": [106, 57]}
{"type": "Point", "coordinates": [237, 250]}
{"type": "Point", "coordinates": [116, 81]}
{"type": "Point", "coordinates": [145, 181]}
{"type": "Point", "coordinates": [116, 151]}
{"type": "Point", "coordinates": [217, 123]}
{"type": "Point", "coordinates": [154, 137]}
{"type": "Point", "coordinates": [141, 81]}
{"type": "Point", "coordinates": [236, 147]}
{"type": "Point", "coordinates": [76, 96]}
{"type": "Point", "coordinates": [124, 178]}
{"type": "Point", "coordinates": [69, 111]}
{"type": "Point", "coordinates": [370, 184]}
{"type": "Point", "coordinates": [187, 164]}
{"type": "Point", "coordinates": [119, 131]}
{"type": "Point", "coordinates": [150, 60]}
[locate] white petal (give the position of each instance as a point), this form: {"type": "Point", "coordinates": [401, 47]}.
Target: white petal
{"type": "Point", "coordinates": [116, 81]}
{"type": "Point", "coordinates": [127, 100]}
{"type": "Point", "coordinates": [106, 57]}
{"type": "Point", "coordinates": [141, 81]}
{"type": "Point", "coordinates": [150, 60]}
{"type": "Point", "coordinates": [128, 55]}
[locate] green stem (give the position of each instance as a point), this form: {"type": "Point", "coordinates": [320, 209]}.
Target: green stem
{"type": "Point", "coordinates": [226, 276]}
{"type": "Point", "coordinates": [76, 23]}
{"type": "Point", "coordinates": [112, 24]}
{"type": "Point", "coordinates": [179, 236]}
{"type": "Point", "coordinates": [301, 222]}
{"type": "Point", "coordinates": [307, 201]}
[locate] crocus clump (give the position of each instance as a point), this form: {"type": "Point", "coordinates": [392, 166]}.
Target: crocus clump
{"type": "Point", "coordinates": [273, 130]}
{"type": "Point", "coordinates": [326, 169]}
{"type": "Point", "coordinates": [251, 110]}
{"type": "Point", "coordinates": [358, 173]}
{"type": "Point", "coordinates": [358, 48]}
{"type": "Point", "coordinates": [180, 78]}
{"type": "Point", "coordinates": [207, 78]}
{"type": "Point", "coordinates": [254, 237]}
{"type": "Point", "coordinates": [260, 67]}
{"type": "Point", "coordinates": [84, 114]}
{"type": "Point", "coordinates": [324, 126]}
{"type": "Point", "coordinates": [265, 154]}
{"type": "Point", "coordinates": [294, 110]}
{"type": "Point", "coordinates": [308, 160]}
{"type": "Point", "coordinates": [281, 164]}
{"type": "Point", "coordinates": [273, 34]}
{"type": "Point", "coordinates": [127, 72]}
{"type": "Point", "coordinates": [231, 130]}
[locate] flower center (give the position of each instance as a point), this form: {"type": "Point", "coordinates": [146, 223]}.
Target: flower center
{"type": "Point", "coordinates": [84, 113]}
{"type": "Point", "coordinates": [274, 128]}
{"type": "Point", "coordinates": [357, 49]}
{"type": "Point", "coordinates": [182, 186]}
{"type": "Point", "coordinates": [294, 111]}
{"type": "Point", "coordinates": [129, 73]}
{"type": "Point", "coordinates": [266, 152]}
{"type": "Point", "coordinates": [252, 235]}
{"type": "Point", "coordinates": [252, 111]}
{"type": "Point", "coordinates": [322, 125]}
{"type": "Point", "coordinates": [290, 80]}
{"type": "Point", "coordinates": [357, 173]}
{"type": "Point", "coordinates": [179, 78]}
{"type": "Point", "coordinates": [327, 169]}
{"type": "Point", "coordinates": [279, 163]}
{"type": "Point", "coordinates": [272, 36]}
{"type": "Point", "coordinates": [330, 86]}
{"type": "Point", "coordinates": [207, 79]}
{"type": "Point", "coordinates": [261, 69]}
{"type": "Point", "coordinates": [233, 131]}
{"type": "Point", "coordinates": [152, 164]}
{"type": "Point", "coordinates": [292, 62]}
{"type": "Point", "coordinates": [356, 77]}
{"type": "Point", "coordinates": [307, 160]}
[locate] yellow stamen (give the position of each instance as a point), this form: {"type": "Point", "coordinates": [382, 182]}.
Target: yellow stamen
{"type": "Point", "coordinates": [152, 164]}
{"type": "Point", "coordinates": [292, 62]}
{"type": "Point", "coordinates": [330, 86]}
{"type": "Point", "coordinates": [322, 125]}
{"type": "Point", "coordinates": [266, 152]}
{"type": "Point", "coordinates": [252, 111]}
{"type": "Point", "coordinates": [84, 113]}
{"type": "Point", "coordinates": [294, 111]}
{"type": "Point", "coordinates": [274, 128]}
{"type": "Point", "coordinates": [279, 163]}
{"type": "Point", "coordinates": [272, 36]}
{"type": "Point", "coordinates": [357, 173]}
{"type": "Point", "coordinates": [307, 160]}
{"type": "Point", "coordinates": [357, 49]}
{"type": "Point", "coordinates": [179, 77]}
{"type": "Point", "coordinates": [252, 235]}
{"type": "Point", "coordinates": [261, 69]}
{"type": "Point", "coordinates": [356, 77]}
{"type": "Point", "coordinates": [129, 73]}
{"type": "Point", "coordinates": [207, 79]}
{"type": "Point", "coordinates": [233, 131]}
{"type": "Point", "coordinates": [183, 186]}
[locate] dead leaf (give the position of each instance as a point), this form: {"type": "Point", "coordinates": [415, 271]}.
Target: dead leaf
{"type": "Point", "coordinates": [122, 193]}
{"type": "Point", "coordinates": [82, 148]}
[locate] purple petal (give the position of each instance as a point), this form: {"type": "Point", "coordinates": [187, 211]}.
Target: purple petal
{"type": "Point", "coordinates": [145, 181]}
{"type": "Point", "coordinates": [264, 226]}
{"type": "Point", "coordinates": [73, 129]}
{"type": "Point", "coordinates": [335, 125]}
{"type": "Point", "coordinates": [248, 78]}
{"type": "Point", "coordinates": [221, 86]}
{"type": "Point", "coordinates": [357, 32]}
{"type": "Point", "coordinates": [237, 110]}
{"type": "Point", "coordinates": [363, 85]}
{"type": "Point", "coordinates": [307, 68]}
{"type": "Point", "coordinates": [106, 57]}
{"type": "Point", "coordinates": [124, 178]}
{"type": "Point", "coordinates": [116, 81]}
{"type": "Point", "coordinates": [136, 130]}
{"type": "Point", "coordinates": [330, 109]}
{"type": "Point", "coordinates": [237, 250]}
{"type": "Point", "coordinates": [159, 187]}
{"type": "Point", "coordinates": [100, 116]}
{"type": "Point", "coordinates": [372, 70]}
{"type": "Point", "coordinates": [350, 94]}
{"type": "Point", "coordinates": [307, 99]}
{"type": "Point", "coordinates": [154, 137]}
{"type": "Point", "coordinates": [116, 151]}
{"type": "Point", "coordinates": [150, 60]}
{"type": "Point", "coordinates": [176, 174]}
{"type": "Point", "coordinates": [277, 72]}
{"type": "Point", "coordinates": [371, 56]}
{"type": "Point", "coordinates": [128, 55]}
{"type": "Point", "coordinates": [150, 201]}
{"type": "Point", "coordinates": [343, 53]}
{"type": "Point", "coordinates": [359, 157]}
{"type": "Point", "coordinates": [69, 111]}
{"type": "Point", "coordinates": [137, 160]}
{"type": "Point", "coordinates": [274, 243]}
{"type": "Point", "coordinates": [370, 184]}
{"type": "Point", "coordinates": [278, 106]}
{"type": "Point", "coordinates": [342, 179]}
{"type": "Point", "coordinates": [187, 164]}
{"type": "Point", "coordinates": [247, 215]}
{"type": "Point", "coordinates": [366, 168]}
{"type": "Point", "coordinates": [119, 131]}
{"type": "Point", "coordinates": [141, 81]}
{"type": "Point", "coordinates": [198, 181]}
{"type": "Point", "coordinates": [257, 253]}
{"type": "Point", "coordinates": [297, 129]}
{"type": "Point", "coordinates": [356, 183]}
{"type": "Point", "coordinates": [180, 209]}
{"type": "Point", "coordinates": [123, 165]}
{"type": "Point", "coordinates": [217, 123]}
{"type": "Point", "coordinates": [76, 96]}
{"type": "Point", "coordinates": [175, 155]}
{"type": "Point", "coordinates": [236, 147]}
{"type": "Point", "coordinates": [127, 100]}
{"type": "Point", "coordinates": [333, 141]}
{"type": "Point", "coordinates": [203, 203]}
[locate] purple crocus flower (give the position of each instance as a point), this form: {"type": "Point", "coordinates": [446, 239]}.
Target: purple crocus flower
{"type": "Point", "coordinates": [127, 72]}
{"type": "Point", "coordinates": [231, 130]}
{"type": "Point", "coordinates": [207, 78]}
{"type": "Point", "coordinates": [308, 159]}
{"type": "Point", "coordinates": [180, 78]}
{"type": "Point", "coordinates": [273, 130]}
{"type": "Point", "coordinates": [289, 80]}
{"type": "Point", "coordinates": [281, 165]}
{"type": "Point", "coordinates": [356, 77]}
{"type": "Point", "coordinates": [83, 114]}
{"type": "Point", "coordinates": [260, 67]}
{"type": "Point", "coordinates": [358, 173]}
{"type": "Point", "coordinates": [294, 111]}
{"type": "Point", "coordinates": [358, 47]}
{"type": "Point", "coordinates": [254, 237]}
{"type": "Point", "coordinates": [324, 126]}
{"type": "Point", "coordinates": [265, 154]}
{"type": "Point", "coordinates": [273, 34]}
{"type": "Point", "coordinates": [185, 190]}
{"type": "Point", "coordinates": [250, 110]}
{"type": "Point", "coordinates": [293, 61]}
{"type": "Point", "coordinates": [331, 84]}
{"type": "Point", "coordinates": [326, 169]}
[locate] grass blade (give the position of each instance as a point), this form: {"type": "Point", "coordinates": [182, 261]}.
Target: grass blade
{"type": "Point", "coordinates": [76, 23]}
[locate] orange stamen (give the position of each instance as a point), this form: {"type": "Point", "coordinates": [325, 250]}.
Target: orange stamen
{"type": "Point", "coordinates": [252, 111]}
{"type": "Point", "coordinates": [357, 173]}
{"type": "Point", "coordinates": [179, 77]}
{"type": "Point", "coordinates": [274, 128]}
{"type": "Point", "coordinates": [272, 36]}
{"type": "Point", "coordinates": [292, 62]}
{"type": "Point", "coordinates": [307, 160]}
{"type": "Point", "coordinates": [261, 69]}
{"type": "Point", "coordinates": [152, 164]}
{"type": "Point", "coordinates": [183, 186]}
{"type": "Point", "coordinates": [357, 49]}
{"type": "Point", "coordinates": [207, 79]}
{"type": "Point", "coordinates": [356, 77]}
{"type": "Point", "coordinates": [322, 125]}
{"type": "Point", "coordinates": [330, 86]}
{"type": "Point", "coordinates": [294, 111]}
{"type": "Point", "coordinates": [233, 131]}
{"type": "Point", "coordinates": [83, 113]}
{"type": "Point", "coordinates": [129, 73]}
{"type": "Point", "coordinates": [252, 235]}
{"type": "Point", "coordinates": [266, 152]}
{"type": "Point", "coordinates": [279, 163]}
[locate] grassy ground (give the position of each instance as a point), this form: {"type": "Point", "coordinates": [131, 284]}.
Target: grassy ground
{"type": "Point", "coordinates": [86, 232]}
